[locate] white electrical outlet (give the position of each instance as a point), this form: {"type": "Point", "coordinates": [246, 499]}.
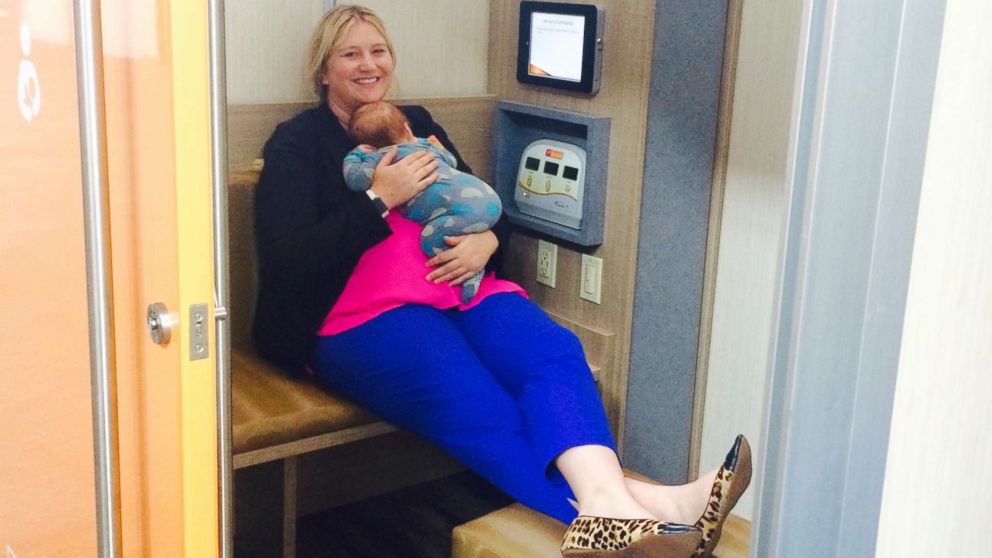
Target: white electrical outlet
{"type": "Point", "coordinates": [591, 282]}
{"type": "Point", "coordinates": [547, 263]}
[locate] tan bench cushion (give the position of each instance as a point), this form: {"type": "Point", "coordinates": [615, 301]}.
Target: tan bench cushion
{"type": "Point", "coordinates": [268, 408]}
{"type": "Point", "coordinates": [241, 252]}
{"type": "Point", "coordinates": [512, 532]}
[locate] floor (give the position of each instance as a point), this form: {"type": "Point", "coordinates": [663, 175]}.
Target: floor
{"type": "Point", "coordinates": [735, 538]}
{"type": "Point", "coordinates": [416, 522]}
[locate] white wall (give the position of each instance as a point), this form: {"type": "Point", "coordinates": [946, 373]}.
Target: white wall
{"type": "Point", "coordinates": [937, 484]}
{"type": "Point", "coordinates": [751, 229]}
{"type": "Point", "coordinates": [267, 42]}
{"type": "Point", "coordinates": [442, 47]}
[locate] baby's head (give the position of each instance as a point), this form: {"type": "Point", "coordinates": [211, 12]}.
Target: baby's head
{"type": "Point", "coordinates": [379, 124]}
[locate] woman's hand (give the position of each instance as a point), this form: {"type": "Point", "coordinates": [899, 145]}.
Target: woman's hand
{"type": "Point", "coordinates": [397, 182]}
{"type": "Point", "coordinates": [466, 257]}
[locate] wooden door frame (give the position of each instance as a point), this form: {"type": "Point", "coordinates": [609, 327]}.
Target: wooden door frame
{"type": "Point", "coordinates": [193, 164]}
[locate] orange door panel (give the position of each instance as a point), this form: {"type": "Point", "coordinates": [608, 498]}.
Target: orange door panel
{"type": "Point", "coordinates": [47, 495]}
{"type": "Point", "coordinates": [157, 133]}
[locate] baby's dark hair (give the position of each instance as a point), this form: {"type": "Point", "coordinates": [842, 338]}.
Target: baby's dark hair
{"type": "Point", "coordinates": [378, 124]}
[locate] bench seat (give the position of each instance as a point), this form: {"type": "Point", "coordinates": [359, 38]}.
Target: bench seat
{"type": "Point", "coordinates": [271, 410]}
{"type": "Point", "coordinates": [515, 531]}
{"type": "Point", "coordinates": [274, 416]}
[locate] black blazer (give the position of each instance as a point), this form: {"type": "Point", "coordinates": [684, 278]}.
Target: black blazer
{"type": "Point", "coordinates": [310, 229]}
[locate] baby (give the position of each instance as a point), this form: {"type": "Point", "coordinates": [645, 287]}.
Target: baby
{"type": "Point", "coordinates": [456, 203]}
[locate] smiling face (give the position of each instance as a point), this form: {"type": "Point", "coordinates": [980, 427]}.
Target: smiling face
{"type": "Point", "coordinates": [358, 71]}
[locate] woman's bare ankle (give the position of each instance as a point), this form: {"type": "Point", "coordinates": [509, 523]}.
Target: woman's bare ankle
{"type": "Point", "coordinates": [676, 504]}
{"type": "Point", "coordinates": [616, 505]}
{"type": "Point", "coordinates": [593, 472]}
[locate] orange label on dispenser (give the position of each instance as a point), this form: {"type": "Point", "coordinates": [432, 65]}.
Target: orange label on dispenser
{"type": "Point", "coordinates": [554, 154]}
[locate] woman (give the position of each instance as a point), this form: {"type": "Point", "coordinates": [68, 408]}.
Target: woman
{"type": "Point", "coordinates": [495, 383]}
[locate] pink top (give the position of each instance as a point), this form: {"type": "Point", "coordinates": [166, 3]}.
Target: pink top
{"type": "Point", "coordinates": [391, 274]}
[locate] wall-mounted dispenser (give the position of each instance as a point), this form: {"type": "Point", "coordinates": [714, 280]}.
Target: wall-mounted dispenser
{"type": "Point", "coordinates": [550, 170]}
{"type": "Point", "coordinates": [551, 182]}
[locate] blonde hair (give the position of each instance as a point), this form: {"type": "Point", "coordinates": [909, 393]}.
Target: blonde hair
{"type": "Point", "coordinates": [330, 32]}
{"type": "Point", "coordinates": [378, 124]}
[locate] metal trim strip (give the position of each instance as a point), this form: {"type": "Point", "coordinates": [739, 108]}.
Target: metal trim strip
{"type": "Point", "coordinates": [218, 133]}
{"type": "Point", "coordinates": [100, 290]}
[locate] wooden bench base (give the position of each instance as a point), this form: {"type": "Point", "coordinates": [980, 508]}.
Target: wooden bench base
{"type": "Point", "coordinates": [512, 532]}
{"type": "Point", "coordinates": [272, 495]}
{"type": "Point", "coordinates": [519, 532]}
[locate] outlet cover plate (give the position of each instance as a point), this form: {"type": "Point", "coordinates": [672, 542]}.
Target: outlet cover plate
{"type": "Point", "coordinates": [547, 263]}
{"type": "Point", "coordinates": [591, 282]}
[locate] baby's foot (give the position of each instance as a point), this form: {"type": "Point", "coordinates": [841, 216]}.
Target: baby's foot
{"type": "Point", "coordinates": [470, 287]}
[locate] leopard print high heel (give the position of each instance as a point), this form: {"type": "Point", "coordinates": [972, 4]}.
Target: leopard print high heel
{"type": "Point", "coordinates": [602, 537]}
{"type": "Point", "coordinates": [731, 481]}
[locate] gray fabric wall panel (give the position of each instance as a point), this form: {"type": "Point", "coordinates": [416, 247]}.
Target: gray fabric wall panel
{"type": "Point", "coordinates": [682, 121]}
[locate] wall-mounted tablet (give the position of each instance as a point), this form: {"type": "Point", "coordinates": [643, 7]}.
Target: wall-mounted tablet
{"type": "Point", "coordinates": [560, 45]}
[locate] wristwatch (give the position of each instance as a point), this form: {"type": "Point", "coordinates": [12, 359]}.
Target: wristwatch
{"type": "Point", "coordinates": [380, 205]}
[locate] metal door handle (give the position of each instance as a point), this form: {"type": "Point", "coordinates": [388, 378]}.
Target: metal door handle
{"type": "Point", "coordinates": [160, 322]}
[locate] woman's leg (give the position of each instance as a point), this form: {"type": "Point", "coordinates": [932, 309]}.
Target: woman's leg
{"type": "Point", "coordinates": [542, 365]}
{"type": "Point", "coordinates": [412, 367]}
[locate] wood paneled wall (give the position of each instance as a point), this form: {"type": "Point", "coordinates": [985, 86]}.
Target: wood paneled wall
{"type": "Point", "coordinates": [248, 128]}
{"type": "Point", "coordinates": [623, 97]}
{"type": "Point", "coordinates": [468, 121]}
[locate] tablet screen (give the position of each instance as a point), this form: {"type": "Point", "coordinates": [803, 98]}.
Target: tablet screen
{"type": "Point", "coordinates": [556, 42]}
{"type": "Point", "coordinates": [559, 45]}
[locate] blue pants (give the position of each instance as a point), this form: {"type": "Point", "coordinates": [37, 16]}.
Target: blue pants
{"type": "Point", "coordinates": [500, 387]}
